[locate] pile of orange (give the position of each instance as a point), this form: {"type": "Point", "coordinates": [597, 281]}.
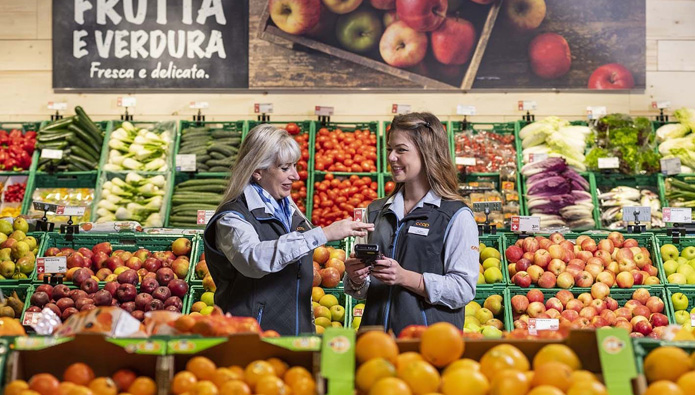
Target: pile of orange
{"type": "Point", "coordinates": [440, 369]}
{"type": "Point", "coordinates": [268, 377]}
{"type": "Point", "coordinates": [670, 371]}
{"type": "Point", "coordinates": [79, 379]}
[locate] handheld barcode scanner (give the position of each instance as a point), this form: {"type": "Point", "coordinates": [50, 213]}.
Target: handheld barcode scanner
{"type": "Point", "coordinates": [367, 253]}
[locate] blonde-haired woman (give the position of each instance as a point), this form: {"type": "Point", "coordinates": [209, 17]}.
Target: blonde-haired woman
{"type": "Point", "coordinates": [428, 236]}
{"type": "Point", "coordinates": [258, 245]}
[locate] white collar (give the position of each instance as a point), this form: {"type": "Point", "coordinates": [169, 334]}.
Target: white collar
{"type": "Point", "coordinates": [397, 205]}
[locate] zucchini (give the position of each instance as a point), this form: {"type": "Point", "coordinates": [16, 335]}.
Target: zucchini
{"type": "Point", "coordinates": [87, 138]}
{"type": "Point", "coordinates": [53, 145]}
{"type": "Point", "coordinates": [75, 157]}
{"type": "Point", "coordinates": [78, 151]}
{"type": "Point", "coordinates": [78, 142]}
{"type": "Point", "coordinates": [196, 206]}
{"type": "Point", "coordinates": [201, 181]}
{"type": "Point", "coordinates": [59, 124]}
{"type": "Point", "coordinates": [225, 133]}
{"type": "Point", "coordinates": [228, 141]}
{"type": "Point", "coordinates": [85, 120]}
{"type": "Point", "coordinates": [219, 169]}
{"type": "Point", "coordinates": [187, 224]}
{"type": "Point", "coordinates": [79, 166]}
{"type": "Point", "coordinates": [221, 162]}
{"type": "Point", "coordinates": [54, 137]}
{"type": "Point", "coordinates": [90, 129]}
{"type": "Point", "coordinates": [224, 150]}
{"type": "Point", "coordinates": [183, 219]}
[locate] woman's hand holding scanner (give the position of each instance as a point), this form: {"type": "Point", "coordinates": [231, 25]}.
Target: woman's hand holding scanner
{"type": "Point", "coordinates": [357, 271]}
{"type": "Point", "coordinates": [346, 228]}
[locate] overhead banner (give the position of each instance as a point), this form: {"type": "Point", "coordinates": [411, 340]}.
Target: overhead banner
{"type": "Point", "coordinates": [413, 45]}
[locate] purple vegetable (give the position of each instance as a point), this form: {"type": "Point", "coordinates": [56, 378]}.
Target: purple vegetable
{"type": "Point", "coordinates": [541, 176]}
{"type": "Point", "coordinates": [551, 164]}
{"type": "Point", "coordinates": [552, 185]}
{"type": "Point", "coordinates": [574, 176]}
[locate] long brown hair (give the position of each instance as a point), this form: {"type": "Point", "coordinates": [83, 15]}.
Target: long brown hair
{"type": "Point", "coordinates": [431, 139]}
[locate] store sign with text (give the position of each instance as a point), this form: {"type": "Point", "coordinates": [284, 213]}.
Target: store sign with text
{"type": "Point", "coordinates": [151, 45]}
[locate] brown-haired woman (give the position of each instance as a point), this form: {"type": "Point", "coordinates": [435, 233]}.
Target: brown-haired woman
{"type": "Point", "coordinates": [427, 235]}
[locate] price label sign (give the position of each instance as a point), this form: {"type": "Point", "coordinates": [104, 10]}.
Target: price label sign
{"type": "Point", "coordinates": [263, 108]}
{"type": "Point", "coordinates": [185, 162]}
{"type": "Point", "coordinates": [679, 215]}
{"type": "Point", "coordinates": [70, 211]}
{"type": "Point", "coordinates": [661, 104]}
{"type": "Point", "coordinates": [608, 163]}
{"type": "Point", "coordinates": [51, 154]}
{"type": "Point", "coordinates": [539, 157]}
{"type": "Point", "coordinates": [323, 111]}
{"type": "Point", "coordinates": [637, 213]}
{"type": "Point", "coordinates": [527, 105]}
{"type": "Point", "coordinates": [127, 101]}
{"type": "Point", "coordinates": [465, 110]}
{"type": "Point", "coordinates": [199, 105]}
{"type": "Point", "coordinates": [360, 214]}
{"type": "Point", "coordinates": [542, 324]}
{"type": "Point", "coordinates": [671, 166]}
{"type": "Point", "coordinates": [595, 112]}
{"type": "Point", "coordinates": [523, 223]}
{"type": "Point", "coordinates": [57, 106]}
{"type": "Point", "coordinates": [40, 206]}
{"type": "Point", "coordinates": [31, 318]}
{"type": "Point", "coordinates": [491, 206]}
{"type": "Point", "coordinates": [400, 108]}
{"type": "Point", "coordinates": [204, 216]}
{"type": "Point", "coordinates": [465, 161]}
{"type": "Point", "coordinates": [51, 264]}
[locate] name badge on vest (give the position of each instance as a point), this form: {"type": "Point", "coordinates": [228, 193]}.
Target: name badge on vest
{"type": "Point", "coordinates": [418, 230]}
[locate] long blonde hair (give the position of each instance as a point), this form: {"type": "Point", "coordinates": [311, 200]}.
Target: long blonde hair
{"type": "Point", "coordinates": [263, 147]}
{"type": "Point", "coordinates": [430, 138]}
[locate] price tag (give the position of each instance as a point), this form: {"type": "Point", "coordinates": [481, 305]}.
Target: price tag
{"type": "Point", "coordinates": [198, 105]}
{"type": "Point", "coordinates": [637, 213]}
{"type": "Point", "coordinates": [51, 264]}
{"type": "Point", "coordinates": [263, 108]}
{"type": "Point", "coordinates": [51, 154]}
{"type": "Point", "coordinates": [595, 112]}
{"type": "Point", "coordinates": [465, 110]}
{"type": "Point", "coordinates": [680, 215]}
{"type": "Point", "coordinates": [523, 223]}
{"type": "Point", "coordinates": [127, 101]}
{"type": "Point", "coordinates": [465, 161]}
{"type": "Point", "coordinates": [40, 206]}
{"type": "Point", "coordinates": [542, 324]}
{"type": "Point", "coordinates": [539, 157]}
{"type": "Point", "coordinates": [204, 216]}
{"type": "Point", "coordinates": [527, 105]}
{"type": "Point", "coordinates": [360, 214]}
{"type": "Point", "coordinates": [400, 108]}
{"type": "Point", "coordinates": [671, 166]}
{"type": "Point", "coordinates": [185, 162]}
{"type": "Point", "coordinates": [57, 106]}
{"type": "Point", "coordinates": [661, 104]}
{"type": "Point", "coordinates": [31, 318]}
{"type": "Point", "coordinates": [323, 111]}
{"type": "Point", "coordinates": [608, 163]}
{"type": "Point", "coordinates": [70, 211]}
{"type": "Point", "coordinates": [492, 206]}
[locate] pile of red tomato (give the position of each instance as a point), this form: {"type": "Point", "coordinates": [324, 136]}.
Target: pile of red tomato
{"type": "Point", "coordinates": [299, 187]}
{"type": "Point", "coordinates": [340, 151]}
{"type": "Point", "coordinates": [337, 198]}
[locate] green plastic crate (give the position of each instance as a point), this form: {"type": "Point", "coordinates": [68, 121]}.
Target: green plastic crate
{"type": "Point", "coordinates": [478, 127]}
{"type": "Point", "coordinates": [688, 291]}
{"type": "Point", "coordinates": [680, 243]}
{"type": "Point", "coordinates": [346, 127]}
{"type": "Point", "coordinates": [25, 127]}
{"type": "Point", "coordinates": [108, 176]}
{"type": "Point", "coordinates": [238, 126]}
{"type": "Point", "coordinates": [144, 124]}
{"type": "Point", "coordinates": [130, 242]}
{"type": "Point", "coordinates": [606, 182]}
{"type": "Point", "coordinates": [621, 295]}
{"type": "Point", "coordinates": [24, 291]}
{"type": "Point", "coordinates": [194, 294]}
{"type": "Point", "coordinates": [87, 179]}
{"type": "Point", "coordinates": [494, 179]}
{"type": "Point", "coordinates": [40, 240]}
{"type": "Point", "coordinates": [643, 346]}
{"type": "Point", "coordinates": [482, 294]}
{"type": "Point", "coordinates": [180, 177]}
{"type": "Point", "coordinates": [646, 240]}
{"type": "Point", "coordinates": [496, 241]}
{"type": "Point", "coordinates": [343, 300]}
{"type": "Point", "coordinates": [689, 178]}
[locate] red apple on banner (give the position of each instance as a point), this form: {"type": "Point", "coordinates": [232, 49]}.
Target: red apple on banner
{"type": "Point", "coordinates": [422, 15]}
{"type": "Point", "coordinates": [295, 16]}
{"type": "Point", "coordinates": [550, 56]}
{"type": "Point", "coordinates": [342, 6]}
{"type": "Point", "coordinates": [611, 76]}
{"type": "Point", "coordinates": [453, 41]}
{"type": "Point", "coordinates": [401, 46]}
{"type": "Point", "coordinates": [326, 24]}
{"type": "Point", "coordinates": [383, 4]}
{"type": "Point", "coordinates": [524, 15]}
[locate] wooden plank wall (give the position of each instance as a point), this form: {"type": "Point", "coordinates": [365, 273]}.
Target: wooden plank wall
{"type": "Point", "coordinates": [25, 80]}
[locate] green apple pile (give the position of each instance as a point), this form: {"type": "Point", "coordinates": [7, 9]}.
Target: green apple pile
{"type": "Point", "coordinates": [490, 265]}
{"type": "Point", "coordinates": [680, 304]}
{"type": "Point", "coordinates": [357, 315]}
{"type": "Point", "coordinates": [17, 250]}
{"type": "Point", "coordinates": [679, 267]}
{"type": "Point", "coordinates": [485, 319]}
{"type": "Point", "coordinates": [327, 310]}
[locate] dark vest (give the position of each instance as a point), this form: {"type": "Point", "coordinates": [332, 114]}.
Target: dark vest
{"type": "Point", "coordinates": [280, 301]}
{"type": "Point", "coordinates": [395, 307]}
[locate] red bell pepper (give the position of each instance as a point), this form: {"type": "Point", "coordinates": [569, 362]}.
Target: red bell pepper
{"type": "Point", "coordinates": [4, 137]}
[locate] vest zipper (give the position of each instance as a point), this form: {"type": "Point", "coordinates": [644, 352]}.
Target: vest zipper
{"type": "Point", "coordinates": [260, 314]}
{"type": "Point", "coordinates": [393, 256]}
{"type": "Point", "coordinates": [296, 303]}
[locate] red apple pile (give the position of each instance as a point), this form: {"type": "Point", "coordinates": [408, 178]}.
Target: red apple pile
{"type": "Point", "coordinates": [158, 291]}
{"type": "Point", "coordinates": [329, 266]}
{"type": "Point", "coordinates": [123, 266]}
{"type": "Point", "coordinates": [336, 198]}
{"type": "Point", "coordinates": [641, 316]}
{"type": "Point", "coordinates": [556, 262]}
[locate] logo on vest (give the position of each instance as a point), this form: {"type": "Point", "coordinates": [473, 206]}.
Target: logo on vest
{"type": "Point", "coordinates": [423, 224]}
{"type": "Point", "coordinates": [300, 228]}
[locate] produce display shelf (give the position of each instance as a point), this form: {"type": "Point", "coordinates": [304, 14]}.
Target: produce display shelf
{"type": "Point", "coordinates": [475, 178]}
{"type": "Point", "coordinates": [689, 178]}
{"type": "Point", "coordinates": [86, 179]}
{"type": "Point", "coordinates": [108, 176]}
{"type": "Point", "coordinates": [643, 346]}
{"type": "Point", "coordinates": [25, 127]}
{"type": "Point", "coordinates": [234, 126]}
{"type": "Point", "coordinates": [194, 294]}
{"type": "Point", "coordinates": [40, 240]}
{"type": "Point", "coordinates": [24, 292]}
{"type": "Point", "coordinates": [496, 241]}
{"type": "Point", "coordinates": [483, 293]}
{"type": "Point", "coordinates": [478, 127]}
{"type": "Point", "coordinates": [688, 291]}
{"type": "Point", "coordinates": [519, 149]}
{"type": "Point", "coordinates": [130, 242]}
{"type": "Point", "coordinates": [680, 243]}
{"type": "Point", "coordinates": [605, 182]}
{"type": "Point", "coordinates": [592, 188]}
{"type": "Point", "coordinates": [179, 177]}
{"type": "Point", "coordinates": [320, 176]}
{"type": "Point", "coordinates": [646, 240]}
{"type": "Point", "coordinates": [347, 127]}
{"type": "Point", "coordinates": [344, 300]}
{"type": "Point", "coordinates": [145, 124]}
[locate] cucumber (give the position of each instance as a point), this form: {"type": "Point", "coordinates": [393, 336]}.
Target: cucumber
{"type": "Point", "coordinates": [78, 142]}
{"type": "Point", "coordinates": [201, 181]}
{"type": "Point", "coordinates": [182, 219]}
{"type": "Point", "coordinates": [90, 129]}
{"type": "Point", "coordinates": [59, 124]}
{"type": "Point", "coordinates": [225, 133]}
{"type": "Point", "coordinates": [224, 150]}
{"type": "Point", "coordinates": [54, 137]}
{"type": "Point", "coordinates": [216, 155]}
{"type": "Point", "coordinates": [86, 137]}
{"type": "Point", "coordinates": [221, 162]}
{"type": "Point", "coordinates": [228, 141]}
{"type": "Point", "coordinates": [80, 163]}
{"type": "Point", "coordinates": [78, 151]}
{"type": "Point", "coordinates": [53, 145]}
{"type": "Point", "coordinates": [219, 169]}
{"type": "Point", "coordinates": [87, 122]}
